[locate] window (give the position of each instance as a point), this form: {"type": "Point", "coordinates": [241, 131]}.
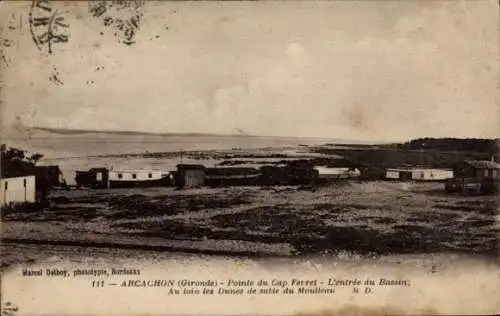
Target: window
{"type": "Point", "coordinates": [120, 176]}
{"type": "Point", "coordinates": [150, 175]}
{"type": "Point", "coordinates": [6, 185]}
{"type": "Point", "coordinates": [134, 176]}
{"type": "Point", "coordinates": [24, 182]}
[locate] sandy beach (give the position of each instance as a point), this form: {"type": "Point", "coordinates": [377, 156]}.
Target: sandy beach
{"type": "Point", "coordinates": [363, 218]}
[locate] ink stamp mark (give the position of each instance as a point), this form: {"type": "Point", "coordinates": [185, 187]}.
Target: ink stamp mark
{"type": "Point", "coordinates": [47, 25]}
{"type": "Point", "coordinates": [6, 34]}
{"type": "Point", "coordinates": [54, 77]}
{"type": "Point", "coordinates": [122, 16]}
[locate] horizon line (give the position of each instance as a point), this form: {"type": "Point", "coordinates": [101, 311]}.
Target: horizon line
{"type": "Point", "coordinates": [69, 131]}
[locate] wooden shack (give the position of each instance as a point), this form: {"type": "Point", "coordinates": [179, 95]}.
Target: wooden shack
{"type": "Point", "coordinates": [190, 175]}
{"type": "Point", "coordinates": [478, 176]}
{"type": "Point", "coordinates": [478, 169]}
{"type": "Point", "coordinates": [235, 176]}
{"type": "Point", "coordinates": [96, 178]}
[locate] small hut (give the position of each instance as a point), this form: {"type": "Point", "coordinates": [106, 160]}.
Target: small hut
{"type": "Point", "coordinates": [190, 175]}
{"type": "Point", "coordinates": [479, 176]}
{"type": "Point", "coordinates": [478, 169]}
{"type": "Point", "coordinates": [96, 178]}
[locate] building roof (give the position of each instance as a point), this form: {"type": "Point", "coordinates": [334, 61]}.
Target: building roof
{"type": "Point", "coordinates": [54, 167]}
{"type": "Point", "coordinates": [18, 177]}
{"type": "Point", "coordinates": [190, 166]}
{"type": "Point", "coordinates": [232, 176]}
{"type": "Point", "coordinates": [483, 164]}
{"type": "Point", "coordinates": [133, 170]}
{"type": "Point", "coordinates": [418, 169]}
{"type": "Point", "coordinates": [99, 169]}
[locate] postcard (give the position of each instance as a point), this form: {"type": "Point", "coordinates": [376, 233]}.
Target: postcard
{"type": "Point", "coordinates": [249, 157]}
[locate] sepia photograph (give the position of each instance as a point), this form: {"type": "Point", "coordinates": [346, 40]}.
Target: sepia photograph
{"type": "Point", "coordinates": [279, 157]}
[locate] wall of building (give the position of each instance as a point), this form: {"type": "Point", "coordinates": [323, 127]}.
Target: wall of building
{"type": "Point", "coordinates": [495, 173]}
{"type": "Point", "coordinates": [17, 190]}
{"type": "Point", "coordinates": [406, 175]}
{"type": "Point", "coordinates": [337, 172]}
{"type": "Point", "coordinates": [487, 173]}
{"type": "Point", "coordinates": [392, 174]}
{"type": "Point", "coordinates": [50, 176]}
{"type": "Point", "coordinates": [134, 175]}
{"type": "Point", "coordinates": [231, 180]}
{"type": "Point", "coordinates": [432, 174]}
{"type": "Point", "coordinates": [93, 178]}
{"type": "Point", "coordinates": [419, 174]}
{"type": "Point", "coordinates": [194, 178]}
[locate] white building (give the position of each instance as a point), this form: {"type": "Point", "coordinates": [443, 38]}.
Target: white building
{"type": "Point", "coordinates": [17, 190]}
{"type": "Point", "coordinates": [134, 178]}
{"type": "Point", "coordinates": [135, 175]}
{"type": "Point", "coordinates": [392, 174]}
{"type": "Point", "coordinates": [419, 174]}
{"type": "Point", "coordinates": [337, 172]}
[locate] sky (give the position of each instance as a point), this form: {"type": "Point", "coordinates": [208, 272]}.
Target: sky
{"type": "Point", "coordinates": [364, 70]}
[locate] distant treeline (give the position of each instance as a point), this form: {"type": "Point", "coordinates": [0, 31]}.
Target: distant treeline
{"type": "Point", "coordinates": [428, 152]}
{"type": "Point", "coordinates": [456, 144]}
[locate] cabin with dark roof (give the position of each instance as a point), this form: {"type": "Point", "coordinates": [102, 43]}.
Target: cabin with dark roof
{"type": "Point", "coordinates": [96, 178]}
{"type": "Point", "coordinates": [479, 176]}
{"type": "Point", "coordinates": [479, 169]}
